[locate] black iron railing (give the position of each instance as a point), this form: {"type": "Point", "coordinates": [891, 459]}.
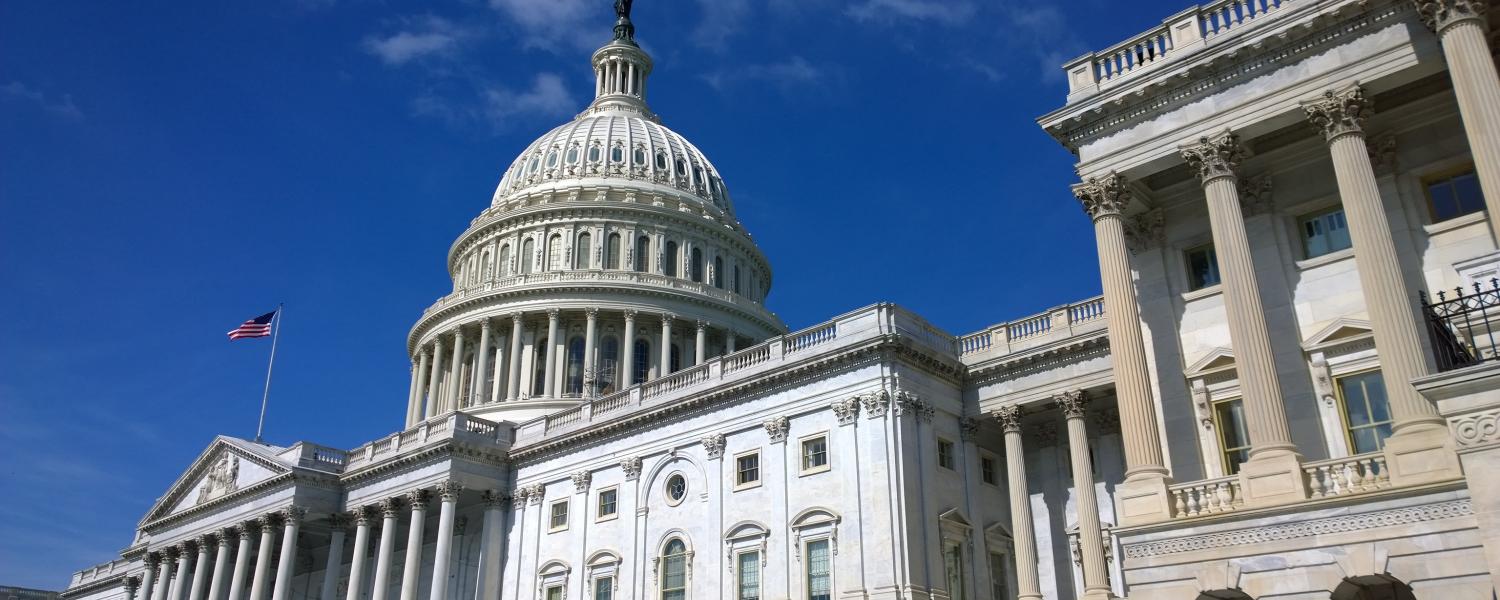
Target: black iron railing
{"type": "Point", "coordinates": [1462, 327]}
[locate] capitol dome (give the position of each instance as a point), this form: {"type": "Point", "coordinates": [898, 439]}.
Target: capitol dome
{"type": "Point", "coordinates": [609, 256]}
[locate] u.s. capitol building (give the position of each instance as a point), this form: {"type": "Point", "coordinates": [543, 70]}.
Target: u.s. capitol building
{"type": "Point", "coordinates": [1259, 405]}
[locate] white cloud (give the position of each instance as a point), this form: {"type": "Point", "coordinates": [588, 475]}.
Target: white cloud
{"type": "Point", "coordinates": [548, 97]}
{"type": "Point", "coordinates": [429, 36]}
{"type": "Point", "coordinates": [946, 12]}
{"type": "Point", "coordinates": [558, 24]}
{"type": "Point", "coordinates": [721, 20]}
{"type": "Point", "coordinates": [63, 107]}
{"type": "Point", "coordinates": [787, 74]}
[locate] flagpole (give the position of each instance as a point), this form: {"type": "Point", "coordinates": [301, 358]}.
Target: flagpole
{"type": "Point", "coordinates": [275, 333]}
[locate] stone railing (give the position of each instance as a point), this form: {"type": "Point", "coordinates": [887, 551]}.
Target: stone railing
{"type": "Point", "coordinates": [308, 454]}
{"type": "Point", "coordinates": [862, 325]}
{"type": "Point", "coordinates": [1347, 476]}
{"type": "Point", "coordinates": [98, 572]}
{"type": "Point", "coordinates": [1066, 320]}
{"type": "Point", "coordinates": [1206, 497]}
{"type": "Point", "coordinates": [452, 426]}
{"type": "Point", "coordinates": [1179, 35]}
{"type": "Point", "coordinates": [551, 278]}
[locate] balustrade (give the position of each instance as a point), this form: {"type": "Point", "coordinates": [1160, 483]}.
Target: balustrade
{"type": "Point", "coordinates": [1057, 321]}
{"type": "Point", "coordinates": [1347, 476]}
{"type": "Point", "coordinates": [1207, 497]}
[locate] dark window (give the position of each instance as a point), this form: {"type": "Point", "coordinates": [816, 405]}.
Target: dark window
{"type": "Point", "coordinates": [1325, 232]}
{"type": "Point", "coordinates": [1365, 410]}
{"type": "Point", "coordinates": [642, 360]}
{"type": "Point", "coordinates": [643, 254]}
{"type": "Point", "coordinates": [1454, 195]}
{"type": "Point", "coordinates": [1203, 267]}
{"type": "Point", "coordinates": [670, 268]}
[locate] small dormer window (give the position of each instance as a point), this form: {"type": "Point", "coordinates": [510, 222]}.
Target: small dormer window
{"type": "Point", "coordinates": [681, 168]}
{"type": "Point", "coordinates": [551, 159]}
{"type": "Point", "coordinates": [572, 157]}
{"type": "Point", "coordinates": [531, 168]}
{"type": "Point", "coordinates": [616, 154]}
{"type": "Point", "coordinates": [594, 154]}
{"type": "Point", "coordinates": [661, 161]}
{"type": "Point", "coordinates": [639, 156]}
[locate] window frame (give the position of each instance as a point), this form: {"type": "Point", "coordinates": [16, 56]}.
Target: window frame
{"type": "Point", "coordinates": [990, 476]}
{"type": "Point", "coordinates": [947, 453]}
{"type": "Point", "coordinates": [687, 567]}
{"type": "Point", "coordinates": [760, 573]}
{"type": "Point", "coordinates": [1225, 450]}
{"type": "Point", "coordinates": [1314, 215]}
{"type": "Point", "coordinates": [599, 514]}
{"type": "Point", "coordinates": [1448, 174]}
{"type": "Point", "coordinates": [807, 574]}
{"type": "Point", "coordinates": [666, 488]}
{"type": "Point", "coordinates": [1187, 267]}
{"type": "Point", "coordinates": [552, 515]}
{"type": "Point", "coordinates": [1343, 405]}
{"type": "Point", "coordinates": [738, 485]}
{"type": "Point", "coordinates": [599, 579]}
{"type": "Point", "coordinates": [827, 465]}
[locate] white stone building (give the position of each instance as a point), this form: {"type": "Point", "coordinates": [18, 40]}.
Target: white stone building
{"type": "Point", "coordinates": [603, 407]}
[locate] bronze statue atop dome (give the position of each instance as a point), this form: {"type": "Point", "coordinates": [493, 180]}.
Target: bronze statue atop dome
{"type": "Point", "coordinates": [624, 29]}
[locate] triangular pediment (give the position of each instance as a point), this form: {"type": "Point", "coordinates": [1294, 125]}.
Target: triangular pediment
{"type": "Point", "coordinates": [225, 467]}
{"type": "Point", "coordinates": [1338, 331]}
{"type": "Point", "coordinates": [1219, 359]}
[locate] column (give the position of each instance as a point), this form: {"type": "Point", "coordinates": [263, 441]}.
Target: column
{"type": "Point", "coordinates": [434, 375]}
{"type": "Point", "coordinates": [247, 533]}
{"type": "Point", "coordinates": [163, 575]}
{"type": "Point", "coordinates": [480, 393]}
{"type": "Point", "coordinates": [666, 345]}
{"type": "Point", "coordinates": [730, 338]}
{"type": "Point", "coordinates": [1090, 535]}
{"type": "Point", "coordinates": [362, 517]}
{"type": "Point", "coordinates": [448, 496]}
{"type": "Point", "coordinates": [417, 412]}
{"type": "Point", "coordinates": [549, 376]}
{"type": "Point", "coordinates": [263, 557]}
{"type": "Point", "coordinates": [1215, 160]}
{"type": "Point", "coordinates": [625, 372]}
{"type": "Point", "coordinates": [200, 566]}
{"type": "Point", "coordinates": [590, 366]}
{"type": "Point", "coordinates": [409, 576]}
{"type": "Point", "coordinates": [455, 371]}
{"type": "Point", "coordinates": [491, 543]}
{"type": "Point", "coordinates": [221, 564]}
{"type": "Point", "coordinates": [413, 404]}
{"type": "Point", "coordinates": [496, 393]}
{"type": "Point", "coordinates": [1460, 27]}
{"type": "Point", "coordinates": [390, 510]}
{"type": "Point", "coordinates": [148, 579]}
{"type": "Point", "coordinates": [1028, 584]}
{"type": "Point", "coordinates": [337, 523]}
{"type": "Point", "coordinates": [132, 585]}
{"type": "Point", "coordinates": [291, 518]}
{"type": "Point", "coordinates": [184, 556]}
{"type": "Point", "coordinates": [513, 380]}
{"type": "Point", "coordinates": [700, 343]}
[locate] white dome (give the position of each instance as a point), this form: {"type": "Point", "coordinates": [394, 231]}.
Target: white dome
{"type": "Point", "coordinates": [622, 146]}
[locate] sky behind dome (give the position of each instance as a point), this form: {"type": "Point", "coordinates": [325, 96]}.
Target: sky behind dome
{"type": "Point", "coordinates": [168, 170]}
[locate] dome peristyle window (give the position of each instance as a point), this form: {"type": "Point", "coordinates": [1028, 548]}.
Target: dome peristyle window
{"type": "Point", "coordinates": [616, 154]}
{"type": "Point", "coordinates": [639, 156]}
{"type": "Point", "coordinates": [551, 159]}
{"type": "Point", "coordinates": [681, 168]}
{"type": "Point", "coordinates": [661, 161]}
{"type": "Point", "coordinates": [594, 154]}
{"type": "Point", "coordinates": [531, 168]}
{"type": "Point", "coordinates": [572, 157]}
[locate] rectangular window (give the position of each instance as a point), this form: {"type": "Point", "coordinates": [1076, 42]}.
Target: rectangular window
{"type": "Point", "coordinates": [1324, 232]}
{"type": "Point", "coordinates": [814, 453]}
{"type": "Point", "coordinates": [1454, 195]}
{"type": "Point", "coordinates": [1367, 415]}
{"type": "Point", "coordinates": [987, 471]}
{"type": "Point", "coordinates": [819, 578]}
{"type": "Point", "coordinates": [559, 515]}
{"type": "Point", "coordinates": [747, 469]}
{"type": "Point", "coordinates": [945, 454]}
{"type": "Point", "coordinates": [608, 503]}
{"type": "Point", "coordinates": [604, 588]}
{"type": "Point", "coordinates": [747, 578]}
{"type": "Point", "coordinates": [999, 577]}
{"type": "Point", "coordinates": [1203, 267]}
{"type": "Point", "coordinates": [953, 565]}
{"type": "Point", "coordinates": [555, 593]}
{"type": "Point", "coordinates": [1234, 438]}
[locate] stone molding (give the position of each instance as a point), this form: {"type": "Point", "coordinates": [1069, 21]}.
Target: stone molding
{"type": "Point", "coordinates": [1214, 157]}
{"type": "Point", "coordinates": [448, 490]}
{"type": "Point", "coordinates": [713, 445]}
{"type": "Point", "coordinates": [1074, 403]}
{"type": "Point", "coordinates": [875, 403]}
{"type": "Point", "coordinates": [847, 410]}
{"type": "Point", "coordinates": [1009, 418]}
{"type": "Point", "coordinates": [581, 481]}
{"type": "Point", "coordinates": [1439, 15]}
{"type": "Point", "coordinates": [1476, 430]}
{"type": "Point", "coordinates": [777, 429]}
{"type": "Point", "coordinates": [1339, 112]}
{"type": "Point", "coordinates": [1301, 529]}
{"type": "Point", "coordinates": [1103, 196]}
{"type": "Point", "coordinates": [632, 468]}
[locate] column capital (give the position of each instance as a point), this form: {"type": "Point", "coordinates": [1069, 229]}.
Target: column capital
{"type": "Point", "coordinates": [1339, 112]}
{"type": "Point", "coordinates": [390, 508]}
{"type": "Point", "coordinates": [339, 521]}
{"type": "Point", "coordinates": [132, 583]}
{"type": "Point", "coordinates": [776, 429]}
{"type": "Point", "coordinates": [515, 319]}
{"type": "Point", "coordinates": [458, 334]}
{"type": "Point", "coordinates": [1146, 230]}
{"type": "Point", "coordinates": [630, 316]}
{"type": "Point", "coordinates": [581, 481]}
{"type": "Point", "coordinates": [152, 560]}
{"type": "Point", "coordinates": [226, 534]}
{"type": "Point", "coordinates": [1214, 157]}
{"type": "Point", "coordinates": [1255, 194]}
{"type": "Point", "coordinates": [1009, 418]}
{"type": "Point", "coordinates": [968, 429]}
{"type": "Point", "coordinates": [495, 499]}
{"type": "Point", "coordinates": [552, 313]}
{"type": "Point", "coordinates": [632, 468]}
{"type": "Point", "coordinates": [484, 324]}
{"type": "Point", "coordinates": [1072, 403]}
{"type": "Point", "coordinates": [703, 324]}
{"type": "Point", "coordinates": [846, 410]}
{"type": "Point", "coordinates": [1103, 196]}
{"type": "Point", "coordinates": [713, 445]}
{"type": "Point", "coordinates": [1439, 15]}
{"type": "Point", "coordinates": [362, 515]}
{"type": "Point", "coordinates": [591, 312]}
{"type": "Point", "coordinates": [667, 318]}
{"type": "Point", "coordinates": [448, 490]}
{"type": "Point", "coordinates": [171, 553]}
{"type": "Point", "coordinates": [250, 528]}
{"type": "Point", "coordinates": [206, 541]}
{"type": "Point", "coordinates": [291, 515]}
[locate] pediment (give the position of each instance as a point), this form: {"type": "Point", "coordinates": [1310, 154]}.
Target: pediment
{"type": "Point", "coordinates": [1338, 331]}
{"type": "Point", "coordinates": [226, 466]}
{"type": "Point", "coordinates": [1218, 359]}
{"type": "Point", "coordinates": [956, 518]}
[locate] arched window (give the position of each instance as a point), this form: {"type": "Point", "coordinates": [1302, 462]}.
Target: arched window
{"type": "Point", "coordinates": [573, 155]}
{"type": "Point", "coordinates": [643, 254]}
{"type": "Point", "coordinates": [528, 254]}
{"type": "Point", "coordinates": [594, 154]}
{"type": "Point", "coordinates": [736, 280]}
{"type": "Point", "coordinates": [639, 156]}
{"type": "Point", "coordinates": [670, 268]}
{"type": "Point", "coordinates": [674, 570]}
{"type": "Point", "coordinates": [539, 368]}
{"type": "Point", "coordinates": [642, 361]}
{"type": "Point", "coordinates": [661, 161]}
{"type": "Point", "coordinates": [719, 272]}
{"type": "Point", "coordinates": [609, 365]}
{"type": "Point", "coordinates": [697, 265]}
{"type": "Point", "coordinates": [583, 252]}
{"type": "Point", "coordinates": [676, 360]}
{"type": "Point", "coordinates": [502, 267]}
{"type": "Point", "coordinates": [551, 159]}
{"type": "Point", "coordinates": [555, 259]}
{"type": "Point", "coordinates": [617, 154]}
{"type": "Point", "coordinates": [575, 366]}
{"type": "Point", "coordinates": [612, 252]}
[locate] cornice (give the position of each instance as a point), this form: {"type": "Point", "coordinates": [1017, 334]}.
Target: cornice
{"type": "Point", "coordinates": [1078, 347]}
{"type": "Point", "coordinates": [95, 585]}
{"type": "Point", "coordinates": [433, 453]}
{"type": "Point", "coordinates": [179, 488]}
{"type": "Point", "coordinates": [291, 479]}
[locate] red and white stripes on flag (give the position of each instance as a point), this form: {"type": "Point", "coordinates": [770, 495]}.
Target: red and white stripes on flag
{"type": "Point", "coordinates": [254, 328]}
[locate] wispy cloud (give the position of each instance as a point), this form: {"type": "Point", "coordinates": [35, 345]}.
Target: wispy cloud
{"type": "Point", "coordinates": [501, 107]}
{"type": "Point", "coordinates": [557, 25]}
{"type": "Point", "coordinates": [721, 21]}
{"type": "Point", "coordinates": [947, 12]}
{"type": "Point", "coordinates": [62, 107]}
{"type": "Point", "coordinates": [794, 73]}
{"type": "Point", "coordinates": [417, 39]}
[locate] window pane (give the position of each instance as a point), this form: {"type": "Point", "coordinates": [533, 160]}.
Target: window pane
{"type": "Point", "coordinates": [749, 576]}
{"type": "Point", "coordinates": [814, 453]}
{"type": "Point", "coordinates": [604, 588]}
{"type": "Point", "coordinates": [998, 577]}
{"type": "Point", "coordinates": [674, 575]}
{"type": "Point", "coordinates": [554, 593]}
{"type": "Point", "coordinates": [1324, 233]}
{"type": "Point", "coordinates": [819, 584]}
{"type": "Point", "coordinates": [1467, 194]}
{"type": "Point", "coordinates": [748, 469]}
{"type": "Point", "coordinates": [606, 503]}
{"type": "Point", "coordinates": [954, 567]}
{"type": "Point", "coordinates": [1203, 268]}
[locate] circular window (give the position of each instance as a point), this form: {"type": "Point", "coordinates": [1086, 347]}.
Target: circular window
{"type": "Point", "coordinates": [676, 488]}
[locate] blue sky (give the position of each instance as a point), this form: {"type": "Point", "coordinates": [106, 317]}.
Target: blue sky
{"type": "Point", "coordinates": [168, 170]}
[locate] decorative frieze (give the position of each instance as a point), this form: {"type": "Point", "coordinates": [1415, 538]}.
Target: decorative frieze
{"type": "Point", "coordinates": [581, 481]}
{"type": "Point", "coordinates": [847, 410]}
{"type": "Point", "coordinates": [713, 445]}
{"type": "Point", "coordinates": [632, 468]}
{"type": "Point", "coordinates": [1339, 112]}
{"type": "Point", "coordinates": [1476, 430]}
{"type": "Point", "coordinates": [1103, 196]}
{"type": "Point", "coordinates": [1301, 529]}
{"type": "Point", "coordinates": [777, 428]}
{"type": "Point", "coordinates": [1214, 157]}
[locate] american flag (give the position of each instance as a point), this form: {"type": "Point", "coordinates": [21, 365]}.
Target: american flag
{"type": "Point", "coordinates": [254, 328]}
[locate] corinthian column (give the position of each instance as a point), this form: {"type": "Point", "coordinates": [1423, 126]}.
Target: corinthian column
{"type": "Point", "coordinates": [448, 495]}
{"type": "Point", "coordinates": [184, 556]}
{"type": "Point", "coordinates": [362, 517]}
{"type": "Point", "coordinates": [390, 510]}
{"type": "Point", "coordinates": [700, 343]}
{"type": "Point", "coordinates": [1341, 116]}
{"type": "Point", "coordinates": [148, 579]}
{"type": "Point", "coordinates": [200, 566]}
{"type": "Point", "coordinates": [1090, 534]}
{"type": "Point", "coordinates": [549, 375]}
{"type": "Point", "coordinates": [291, 518]}
{"type": "Point", "coordinates": [434, 375]}
{"type": "Point", "coordinates": [247, 533]}
{"type": "Point", "coordinates": [221, 564]}
{"type": "Point", "coordinates": [513, 380]}
{"type": "Point", "coordinates": [625, 371]}
{"type": "Point", "coordinates": [455, 371]}
{"type": "Point", "coordinates": [1460, 27]}
{"type": "Point", "coordinates": [413, 571]}
{"type": "Point", "coordinates": [491, 540]}
{"type": "Point", "coordinates": [1028, 583]}
{"type": "Point", "coordinates": [666, 345]}
{"type": "Point", "coordinates": [412, 401]}
{"type": "Point", "coordinates": [263, 557]}
{"type": "Point", "coordinates": [479, 392]}
{"type": "Point", "coordinates": [1143, 496]}
{"type": "Point", "coordinates": [420, 394]}
{"type": "Point", "coordinates": [337, 523]}
{"type": "Point", "coordinates": [590, 367]}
